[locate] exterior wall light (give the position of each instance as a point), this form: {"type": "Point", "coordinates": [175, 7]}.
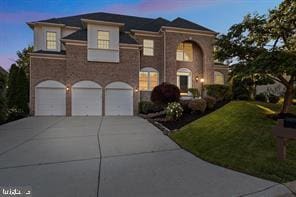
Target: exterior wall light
{"type": "Point", "coordinates": [136, 90]}
{"type": "Point", "coordinates": [196, 78]}
{"type": "Point", "coordinates": [67, 89]}
{"type": "Point", "coordinates": [202, 80]}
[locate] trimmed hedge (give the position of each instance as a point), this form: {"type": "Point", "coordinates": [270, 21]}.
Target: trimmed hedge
{"type": "Point", "coordinates": [198, 105]}
{"type": "Point", "coordinates": [165, 93]}
{"type": "Point", "coordinates": [220, 92]}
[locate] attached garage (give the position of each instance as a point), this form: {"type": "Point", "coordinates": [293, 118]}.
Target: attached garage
{"type": "Point", "coordinates": [86, 99]}
{"type": "Point", "coordinates": [50, 99]}
{"type": "Point", "coordinates": [118, 99]}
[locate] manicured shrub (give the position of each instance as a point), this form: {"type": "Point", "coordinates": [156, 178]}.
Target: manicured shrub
{"type": "Point", "coordinates": [185, 105]}
{"type": "Point", "coordinates": [198, 105]}
{"type": "Point", "coordinates": [218, 91]}
{"type": "Point", "coordinates": [146, 107]}
{"type": "Point", "coordinates": [15, 114]}
{"type": "Point", "coordinates": [261, 97]}
{"type": "Point", "coordinates": [173, 111]}
{"type": "Point", "coordinates": [165, 93]}
{"type": "Point", "coordinates": [211, 101]}
{"type": "Point", "coordinates": [243, 97]}
{"type": "Point", "coordinates": [273, 98]}
{"type": "Point", "coordinates": [194, 92]}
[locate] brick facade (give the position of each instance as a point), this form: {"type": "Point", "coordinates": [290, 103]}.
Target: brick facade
{"type": "Point", "coordinates": [74, 67]}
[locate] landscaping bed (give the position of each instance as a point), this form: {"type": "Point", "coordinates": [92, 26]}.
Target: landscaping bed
{"type": "Point", "coordinates": [186, 118]}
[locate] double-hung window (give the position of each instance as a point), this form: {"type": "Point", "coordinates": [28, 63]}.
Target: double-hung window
{"type": "Point", "coordinates": [148, 47]}
{"type": "Point", "coordinates": [103, 40]}
{"type": "Point", "coordinates": [51, 40]}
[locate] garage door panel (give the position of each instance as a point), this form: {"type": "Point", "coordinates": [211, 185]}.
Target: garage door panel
{"type": "Point", "coordinates": [50, 102]}
{"type": "Point", "coordinates": [119, 102]}
{"type": "Point", "coordinates": [86, 101]}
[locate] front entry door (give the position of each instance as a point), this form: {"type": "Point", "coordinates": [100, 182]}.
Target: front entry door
{"type": "Point", "coordinates": [183, 84]}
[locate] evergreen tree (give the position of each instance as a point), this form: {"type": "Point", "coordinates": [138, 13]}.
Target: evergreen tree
{"type": "Point", "coordinates": [3, 108]}
{"type": "Point", "coordinates": [11, 91]}
{"type": "Point", "coordinates": [22, 91]}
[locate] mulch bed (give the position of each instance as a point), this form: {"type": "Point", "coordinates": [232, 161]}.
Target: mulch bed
{"type": "Point", "coordinates": [185, 119]}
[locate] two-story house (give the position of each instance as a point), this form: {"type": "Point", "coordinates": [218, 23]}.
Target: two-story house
{"type": "Point", "coordinates": [104, 64]}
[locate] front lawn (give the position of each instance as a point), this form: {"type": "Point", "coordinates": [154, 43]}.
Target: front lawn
{"type": "Point", "coordinates": [238, 136]}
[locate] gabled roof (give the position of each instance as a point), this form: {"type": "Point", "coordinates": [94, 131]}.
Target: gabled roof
{"type": "Point", "coordinates": [183, 23]}
{"type": "Point", "coordinates": [153, 25]}
{"type": "Point", "coordinates": [82, 36]}
{"type": "Point", "coordinates": [130, 22]}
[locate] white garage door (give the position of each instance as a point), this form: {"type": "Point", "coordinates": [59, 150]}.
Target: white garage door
{"type": "Point", "coordinates": [86, 99]}
{"type": "Point", "coordinates": [50, 99]}
{"type": "Point", "coordinates": [118, 99]}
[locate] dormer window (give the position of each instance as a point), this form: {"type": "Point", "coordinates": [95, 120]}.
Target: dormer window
{"type": "Point", "coordinates": [103, 39]}
{"type": "Point", "coordinates": [148, 47]}
{"type": "Point", "coordinates": [51, 40]}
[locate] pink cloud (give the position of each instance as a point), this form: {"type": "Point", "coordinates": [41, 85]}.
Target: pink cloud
{"type": "Point", "coordinates": [148, 6]}
{"type": "Point", "coordinates": [21, 17]}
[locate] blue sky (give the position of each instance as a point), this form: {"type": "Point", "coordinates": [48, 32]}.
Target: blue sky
{"type": "Point", "coordinates": [218, 15]}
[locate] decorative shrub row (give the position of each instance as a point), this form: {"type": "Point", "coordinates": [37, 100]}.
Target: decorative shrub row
{"type": "Point", "coordinates": [220, 92]}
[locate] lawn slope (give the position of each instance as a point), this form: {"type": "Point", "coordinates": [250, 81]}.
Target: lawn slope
{"type": "Point", "coordinates": [238, 136]}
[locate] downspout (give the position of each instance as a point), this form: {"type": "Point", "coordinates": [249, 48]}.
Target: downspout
{"type": "Point", "coordinates": [164, 56]}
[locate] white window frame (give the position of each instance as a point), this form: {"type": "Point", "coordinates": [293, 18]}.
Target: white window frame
{"type": "Point", "coordinates": [145, 53]}
{"type": "Point", "coordinates": [184, 72]}
{"type": "Point", "coordinates": [183, 52]}
{"type": "Point", "coordinates": [149, 70]}
{"type": "Point", "coordinates": [55, 41]}
{"type": "Point", "coordinates": [103, 40]}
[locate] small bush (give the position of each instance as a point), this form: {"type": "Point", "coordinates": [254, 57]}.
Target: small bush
{"type": "Point", "coordinates": [198, 105]}
{"type": "Point", "coordinates": [185, 105]}
{"type": "Point", "coordinates": [165, 93]}
{"type": "Point", "coordinates": [194, 92]}
{"type": "Point", "coordinates": [273, 98]}
{"type": "Point", "coordinates": [173, 111]}
{"type": "Point", "coordinates": [146, 107]}
{"type": "Point", "coordinates": [14, 114]}
{"type": "Point", "coordinates": [220, 92]}
{"type": "Point", "coordinates": [261, 97]}
{"type": "Point", "coordinates": [211, 102]}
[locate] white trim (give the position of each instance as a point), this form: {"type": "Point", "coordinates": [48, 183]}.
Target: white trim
{"type": "Point", "coordinates": [86, 84]}
{"type": "Point", "coordinates": [50, 84]}
{"type": "Point", "coordinates": [184, 72]}
{"type": "Point", "coordinates": [49, 57]}
{"type": "Point", "coordinates": [98, 22]}
{"type": "Point", "coordinates": [119, 85]}
{"type": "Point", "coordinates": [101, 49]}
{"type": "Point", "coordinates": [188, 31]}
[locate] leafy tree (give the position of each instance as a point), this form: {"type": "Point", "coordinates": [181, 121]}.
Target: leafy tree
{"type": "Point", "coordinates": [264, 46]}
{"type": "Point", "coordinates": [23, 60]}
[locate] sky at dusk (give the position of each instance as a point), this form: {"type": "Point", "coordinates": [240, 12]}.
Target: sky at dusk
{"type": "Point", "coordinates": [217, 15]}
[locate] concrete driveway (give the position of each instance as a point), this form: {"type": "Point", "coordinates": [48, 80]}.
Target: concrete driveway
{"type": "Point", "coordinates": [112, 156]}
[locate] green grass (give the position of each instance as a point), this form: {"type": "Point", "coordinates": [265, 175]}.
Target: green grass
{"type": "Point", "coordinates": [238, 136]}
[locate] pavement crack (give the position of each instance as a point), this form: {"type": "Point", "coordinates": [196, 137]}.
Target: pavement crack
{"type": "Point", "coordinates": [48, 163]}
{"type": "Point", "coordinates": [258, 191]}
{"type": "Point", "coordinates": [100, 160]}
{"type": "Point", "coordinates": [31, 138]}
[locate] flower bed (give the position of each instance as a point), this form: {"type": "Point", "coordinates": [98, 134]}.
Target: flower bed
{"type": "Point", "coordinates": [160, 121]}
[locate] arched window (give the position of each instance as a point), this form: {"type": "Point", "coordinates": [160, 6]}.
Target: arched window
{"type": "Point", "coordinates": [184, 80]}
{"type": "Point", "coordinates": [148, 79]}
{"type": "Point", "coordinates": [218, 78]}
{"type": "Point", "coordinates": [184, 52]}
